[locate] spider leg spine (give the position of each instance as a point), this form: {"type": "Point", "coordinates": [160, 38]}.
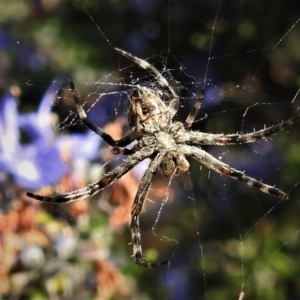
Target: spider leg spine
{"type": "Point", "coordinates": [193, 113]}
{"type": "Point", "coordinates": [97, 186]}
{"type": "Point", "coordinates": [145, 65]}
{"type": "Point", "coordinates": [137, 209]}
{"type": "Point", "coordinates": [124, 141]}
{"type": "Point", "coordinates": [174, 104]}
{"type": "Point", "coordinates": [202, 138]}
{"type": "Point", "coordinates": [218, 166]}
{"type": "Point", "coordinates": [242, 177]}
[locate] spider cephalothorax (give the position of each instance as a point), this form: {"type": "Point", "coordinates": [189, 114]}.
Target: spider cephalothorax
{"type": "Point", "coordinates": [167, 143]}
{"type": "Point", "coordinates": [153, 121]}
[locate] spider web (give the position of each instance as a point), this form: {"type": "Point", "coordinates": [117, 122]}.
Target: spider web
{"type": "Point", "coordinates": [223, 237]}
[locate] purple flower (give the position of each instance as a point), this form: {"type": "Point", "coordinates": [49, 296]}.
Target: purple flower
{"type": "Point", "coordinates": [37, 162]}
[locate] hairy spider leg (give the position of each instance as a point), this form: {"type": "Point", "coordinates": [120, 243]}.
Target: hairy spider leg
{"type": "Point", "coordinates": [218, 166]}
{"type": "Point", "coordinates": [137, 207]}
{"type": "Point", "coordinates": [174, 103]}
{"type": "Point", "coordinates": [194, 112]}
{"type": "Point", "coordinates": [201, 138]}
{"type": "Point", "coordinates": [97, 186]}
{"type": "Point", "coordinates": [124, 141]}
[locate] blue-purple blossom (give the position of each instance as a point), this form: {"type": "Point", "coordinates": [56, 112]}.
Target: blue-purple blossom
{"type": "Point", "coordinates": [37, 162]}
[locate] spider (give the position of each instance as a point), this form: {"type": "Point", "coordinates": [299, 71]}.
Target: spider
{"type": "Point", "coordinates": [168, 144]}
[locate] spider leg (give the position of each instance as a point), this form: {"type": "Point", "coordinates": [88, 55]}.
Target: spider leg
{"type": "Point", "coordinates": [126, 151]}
{"type": "Point", "coordinates": [97, 186]}
{"type": "Point", "coordinates": [194, 112]}
{"type": "Point", "coordinates": [218, 166]}
{"type": "Point", "coordinates": [174, 104]}
{"type": "Point", "coordinates": [125, 140]}
{"type": "Point", "coordinates": [137, 207]}
{"type": "Point", "coordinates": [200, 138]}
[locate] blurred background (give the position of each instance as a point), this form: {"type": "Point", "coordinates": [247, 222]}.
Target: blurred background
{"type": "Point", "coordinates": [220, 236]}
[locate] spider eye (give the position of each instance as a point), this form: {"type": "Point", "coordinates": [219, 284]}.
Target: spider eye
{"type": "Point", "coordinates": [145, 110]}
{"type": "Point", "coordinates": [135, 93]}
